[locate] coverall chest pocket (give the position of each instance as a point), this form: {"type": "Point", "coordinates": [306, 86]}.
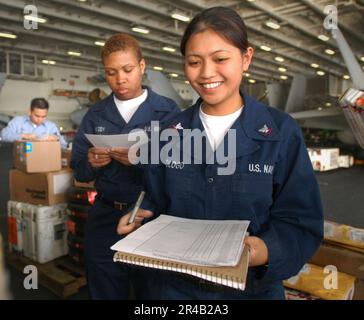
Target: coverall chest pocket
{"type": "Point", "coordinates": [252, 184]}
{"type": "Point", "coordinates": [179, 183]}
{"type": "Point", "coordinates": [252, 194]}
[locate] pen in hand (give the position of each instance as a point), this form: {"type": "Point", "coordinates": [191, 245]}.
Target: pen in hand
{"type": "Point", "coordinates": [136, 207]}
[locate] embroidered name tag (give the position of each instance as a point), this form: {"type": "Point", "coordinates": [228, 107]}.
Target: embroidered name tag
{"type": "Point", "coordinates": [256, 167]}
{"type": "Point", "coordinates": [175, 164]}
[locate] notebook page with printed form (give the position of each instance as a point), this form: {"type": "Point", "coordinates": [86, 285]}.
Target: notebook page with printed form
{"type": "Point", "coordinates": [199, 242]}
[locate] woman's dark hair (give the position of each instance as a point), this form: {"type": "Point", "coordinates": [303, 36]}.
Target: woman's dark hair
{"type": "Point", "coordinates": [224, 21]}
{"type": "Point", "coordinates": [121, 42]}
{"type": "Point", "coordinates": [39, 103]}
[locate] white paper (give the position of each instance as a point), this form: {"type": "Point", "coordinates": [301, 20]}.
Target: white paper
{"type": "Point", "coordinates": [62, 182]}
{"type": "Point", "coordinates": [201, 242]}
{"type": "Point", "coordinates": [136, 138]}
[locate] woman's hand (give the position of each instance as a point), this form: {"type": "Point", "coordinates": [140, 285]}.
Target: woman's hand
{"type": "Point", "coordinates": [124, 228]}
{"type": "Point", "coordinates": [98, 157]}
{"type": "Point", "coordinates": [120, 155]}
{"type": "Point", "coordinates": [258, 251]}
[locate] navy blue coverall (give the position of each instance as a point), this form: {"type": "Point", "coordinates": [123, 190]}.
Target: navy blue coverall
{"type": "Point", "coordinates": [273, 186]}
{"type": "Point", "coordinates": [114, 183]}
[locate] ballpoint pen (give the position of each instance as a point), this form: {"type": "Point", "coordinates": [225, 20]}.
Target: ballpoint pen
{"type": "Point", "coordinates": [136, 207]}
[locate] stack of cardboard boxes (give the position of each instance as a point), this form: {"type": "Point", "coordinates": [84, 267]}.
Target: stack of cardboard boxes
{"type": "Point", "coordinates": [37, 208]}
{"type": "Point", "coordinates": [336, 271]}
{"type": "Point", "coordinates": [343, 248]}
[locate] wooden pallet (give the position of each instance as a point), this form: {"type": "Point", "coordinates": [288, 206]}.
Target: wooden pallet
{"type": "Point", "coordinates": [61, 275]}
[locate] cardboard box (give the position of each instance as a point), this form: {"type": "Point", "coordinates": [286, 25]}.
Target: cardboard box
{"type": "Point", "coordinates": [346, 161]}
{"type": "Point", "coordinates": [346, 260]}
{"type": "Point", "coordinates": [344, 235]}
{"type": "Point", "coordinates": [40, 188]}
{"type": "Point", "coordinates": [324, 159]}
{"type": "Point", "coordinates": [359, 290]}
{"type": "Point", "coordinates": [37, 156]}
{"type": "Point", "coordinates": [66, 158]}
{"type": "Point", "coordinates": [312, 279]}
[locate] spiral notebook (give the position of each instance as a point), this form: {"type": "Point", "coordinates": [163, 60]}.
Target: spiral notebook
{"type": "Point", "coordinates": [212, 250]}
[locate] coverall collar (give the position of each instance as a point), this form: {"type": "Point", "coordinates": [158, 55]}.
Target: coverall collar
{"type": "Point", "coordinates": [145, 111]}
{"type": "Point", "coordinates": [254, 123]}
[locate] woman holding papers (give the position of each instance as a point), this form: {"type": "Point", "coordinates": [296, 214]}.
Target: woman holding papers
{"type": "Point", "coordinates": [118, 184]}
{"type": "Point", "coordinates": [267, 178]}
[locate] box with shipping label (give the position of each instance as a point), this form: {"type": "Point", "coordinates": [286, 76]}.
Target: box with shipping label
{"type": "Point", "coordinates": [324, 159]}
{"type": "Point", "coordinates": [37, 156]}
{"type": "Point", "coordinates": [40, 188]}
{"type": "Point", "coordinates": [323, 282]}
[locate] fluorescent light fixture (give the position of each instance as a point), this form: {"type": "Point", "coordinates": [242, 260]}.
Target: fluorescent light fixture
{"type": "Point", "coordinates": [247, 74]}
{"type": "Point", "coordinates": [158, 68]}
{"type": "Point", "coordinates": [320, 73]}
{"type": "Point", "coordinates": [279, 59]}
{"type": "Point", "coordinates": [252, 81]}
{"type": "Point", "coordinates": [82, 0]}
{"type": "Point", "coordinates": [328, 104]}
{"type": "Point", "coordinates": [169, 49]}
{"type": "Point", "coordinates": [74, 53]}
{"type": "Point", "coordinates": [266, 48]}
{"type": "Point", "coordinates": [346, 77]}
{"type": "Point", "coordinates": [48, 61]}
{"type": "Point", "coordinates": [35, 18]}
{"type": "Point", "coordinates": [251, 0]}
{"type": "Point", "coordinates": [60, 128]}
{"type": "Point", "coordinates": [362, 58]}
{"type": "Point", "coordinates": [284, 77]}
{"type": "Point", "coordinates": [272, 25]}
{"type": "Point", "coordinates": [174, 75]}
{"type": "Point", "coordinates": [319, 109]}
{"type": "Point", "coordinates": [180, 17]}
{"type": "Point", "coordinates": [140, 30]}
{"type": "Point", "coordinates": [8, 35]}
{"type": "Point", "coordinates": [330, 52]}
{"type": "Point", "coordinates": [99, 43]}
{"type": "Point", "coordinates": [323, 37]}
{"type": "Point", "coordinates": [281, 69]}
{"type": "Point", "coordinates": [314, 65]}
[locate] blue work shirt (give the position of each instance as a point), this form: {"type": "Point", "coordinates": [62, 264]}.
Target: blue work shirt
{"type": "Point", "coordinates": [273, 186]}
{"type": "Point", "coordinates": [22, 124]}
{"type": "Point", "coordinates": [115, 181]}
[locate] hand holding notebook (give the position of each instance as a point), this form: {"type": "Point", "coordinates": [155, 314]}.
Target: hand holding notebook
{"type": "Point", "coordinates": [208, 249]}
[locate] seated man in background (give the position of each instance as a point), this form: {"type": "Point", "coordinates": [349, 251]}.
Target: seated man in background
{"type": "Point", "coordinates": [33, 127]}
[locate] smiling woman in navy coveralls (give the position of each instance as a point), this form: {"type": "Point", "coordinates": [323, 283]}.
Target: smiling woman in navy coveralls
{"type": "Point", "coordinates": [273, 184]}
{"type": "Point", "coordinates": [117, 183]}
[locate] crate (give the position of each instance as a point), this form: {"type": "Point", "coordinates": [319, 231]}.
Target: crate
{"type": "Point", "coordinates": [61, 275]}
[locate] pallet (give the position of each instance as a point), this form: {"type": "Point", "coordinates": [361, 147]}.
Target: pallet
{"type": "Point", "coordinates": [61, 275]}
